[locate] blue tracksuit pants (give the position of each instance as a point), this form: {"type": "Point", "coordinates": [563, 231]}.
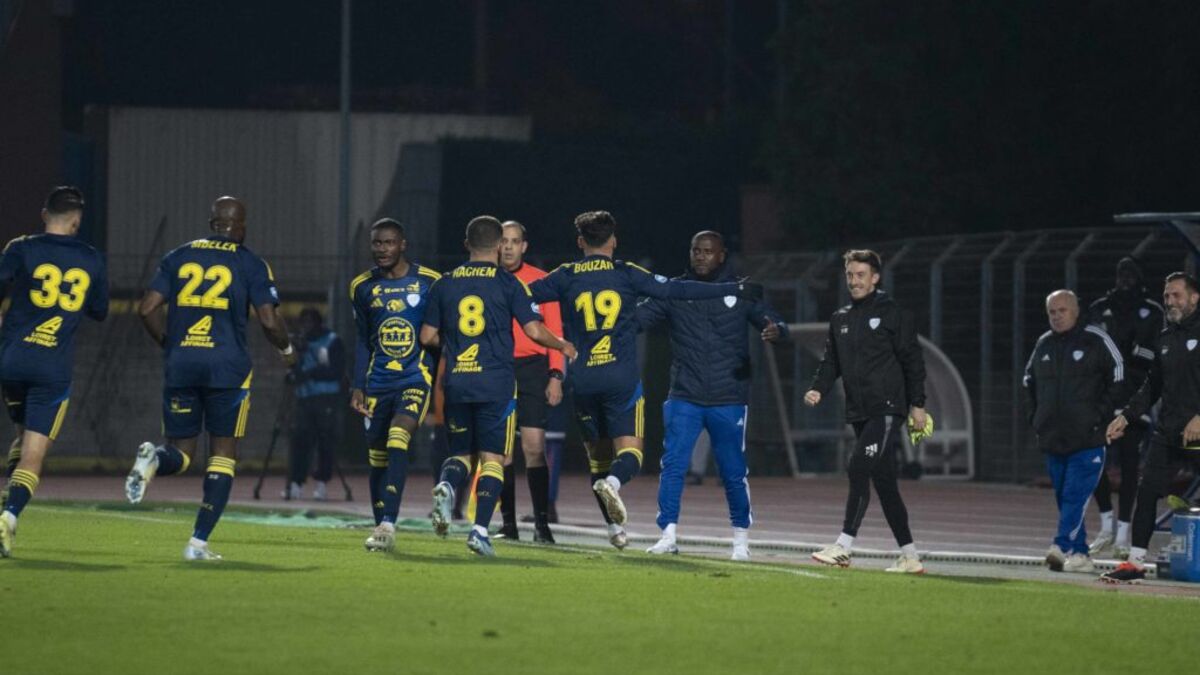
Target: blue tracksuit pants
{"type": "Point", "coordinates": [726, 425]}
{"type": "Point", "coordinates": [1075, 477]}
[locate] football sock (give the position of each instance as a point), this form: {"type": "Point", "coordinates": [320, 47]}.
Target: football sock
{"type": "Point", "coordinates": [1122, 533]}
{"type": "Point", "coordinates": [395, 474]}
{"type": "Point", "coordinates": [1106, 521]}
{"type": "Point", "coordinates": [845, 541]}
{"type": "Point", "coordinates": [454, 472]}
{"type": "Point", "coordinates": [487, 492]}
{"type": "Point", "coordinates": [217, 484]}
{"type": "Point", "coordinates": [14, 456]}
{"type": "Point", "coordinates": [626, 465]}
{"type": "Point", "coordinates": [21, 487]}
{"type": "Point", "coordinates": [909, 550]}
{"type": "Point", "coordinates": [171, 460]}
{"type": "Point", "coordinates": [377, 480]}
{"type": "Point", "coordinates": [1137, 556]}
{"type": "Point", "coordinates": [539, 491]}
{"type": "Point", "coordinates": [508, 496]}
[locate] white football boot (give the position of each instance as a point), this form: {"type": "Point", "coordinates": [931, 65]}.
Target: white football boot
{"type": "Point", "coordinates": [833, 555]}
{"type": "Point", "coordinates": [144, 468]}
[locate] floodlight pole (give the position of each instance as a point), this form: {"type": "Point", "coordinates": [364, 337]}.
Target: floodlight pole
{"type": "Point", "coordinates": [341, 316]}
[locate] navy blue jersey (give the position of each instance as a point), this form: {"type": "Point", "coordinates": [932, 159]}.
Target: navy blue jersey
{"type": "Point", "coordinates": [599, 297]}
{"type": "Point", "coordinates": [52, 279]}
{"type": "Point", "coordinates": [210, 285]}
{"type": "Point", "coordinates": [388, 314]}
{"type": "Point", "coordinates": [473, 308]}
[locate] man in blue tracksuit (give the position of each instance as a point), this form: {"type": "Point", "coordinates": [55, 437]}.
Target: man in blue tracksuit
{"type": "Point", "coordinates": [318, 379]}
{"type": "Point", "coordinates": [710, 385]}
{"type": "Point", "coordinates": [1073, 379]}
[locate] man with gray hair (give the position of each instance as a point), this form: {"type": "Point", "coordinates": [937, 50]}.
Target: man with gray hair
{"type": "Point", "coordinates": [1072, 379]}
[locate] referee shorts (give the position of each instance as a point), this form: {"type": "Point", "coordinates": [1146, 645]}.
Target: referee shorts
{"type": "Point", "coordinates": [533, 376]}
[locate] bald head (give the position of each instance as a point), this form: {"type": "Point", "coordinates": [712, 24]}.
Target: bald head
{"type": "Point", "coordinates": [1062, 307]}
{"type": "Point", "coordinates": [229, 218]}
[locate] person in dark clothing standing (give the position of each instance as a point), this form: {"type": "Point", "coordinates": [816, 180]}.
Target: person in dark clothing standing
{"type": "Point", "coordinates": [1073, 377]}
{"type": "Point", "coordinates": [1133, 321]}
{"type": "Point", "coordinates": [873, 347]}
{"type": "Point", "coordinates": [318, 381]}
{"type": "Point", "coordinates": [1174, 379]}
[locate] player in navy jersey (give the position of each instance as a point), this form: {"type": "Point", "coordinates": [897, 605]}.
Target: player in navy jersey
{"type": "Point", "coordinates": [208, 287]}
{"type": "Point", "coordinates": [53, 280]}
{"type": "Point", "coordinates": [470, 315]}
{"type": "Point", "coordinates": [392, 372]}
{"type": "Point", "coordinates": [599, 297]}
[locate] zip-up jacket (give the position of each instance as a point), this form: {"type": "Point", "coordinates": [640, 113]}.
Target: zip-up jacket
{"type": "Point", "coordinates": [1133, 321]}
{"type": "Point", "coordinates": [1174, 378]}
{"type": "Point", "coordinates": [710, 350]}
{"type": "Point", "coordinates": [873, 347]}
{"type": "Point", "coordinates": [1073, 380]}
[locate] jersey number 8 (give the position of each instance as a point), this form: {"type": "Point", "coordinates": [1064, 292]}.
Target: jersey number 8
{"type": "Point", "coordinates": [50, 294]}
{"type": "Point", "coordinates": [606, 303]}
{"type": "Point", "coordinates": [470, 316]}
{"type": "Point", "coordinates": [195, 275]}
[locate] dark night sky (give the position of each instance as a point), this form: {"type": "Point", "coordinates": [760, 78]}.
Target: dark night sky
{"type": "Point", "coordinates": [900, 117]}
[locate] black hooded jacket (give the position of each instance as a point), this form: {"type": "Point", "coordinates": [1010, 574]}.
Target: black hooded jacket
{"type": "Point", "coordinates": [1175, 378]}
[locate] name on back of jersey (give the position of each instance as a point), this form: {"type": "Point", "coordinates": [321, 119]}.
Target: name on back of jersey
{"type": "Point", "coordinates": [470, 272]}
{"type": "Point", "coordinates": [211, 245]}
{"type": "Point", "coordinates": [598, 265]}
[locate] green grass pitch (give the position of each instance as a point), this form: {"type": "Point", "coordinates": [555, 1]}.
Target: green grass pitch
{"type": "Point", "coordinates": [100, 589]}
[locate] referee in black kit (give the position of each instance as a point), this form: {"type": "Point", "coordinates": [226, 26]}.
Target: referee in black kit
{"type": "Point", "coordinates": [873, 347]}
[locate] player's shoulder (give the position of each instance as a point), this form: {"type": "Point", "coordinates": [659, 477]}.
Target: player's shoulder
{"type": "Point", "coordinates": [428, 273]}
{"type": "Point", "coordinates": [361, 281]}
{"type": "Point", "coordinates": [17, 243]}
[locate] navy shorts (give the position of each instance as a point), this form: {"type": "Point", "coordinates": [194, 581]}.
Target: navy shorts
{"type": "Point", "coordinates": [223, 412]}
{"type": "Point", "coordinates": [38, 406]}
{"type": "Point", "coordinates": [488, 426]}
{"type": "Point", "coordinates": [611, 414]}
{"type": "Point", "coordinates": [411, 401]}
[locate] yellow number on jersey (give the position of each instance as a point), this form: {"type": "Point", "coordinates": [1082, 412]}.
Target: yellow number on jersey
{"type": "Point", "coordinates": [50, 294]}
{"type": "Point", "coordinates": [470, 316]}
{"type": "Point", "coordinates": [605, 303]}
{"type": "Point", "coordinates": [195, 275]}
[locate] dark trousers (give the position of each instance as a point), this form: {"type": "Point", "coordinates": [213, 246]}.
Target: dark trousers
{"type": "Point", "coordinates": [873, 461]}
{"type": "Point", "coordinates": [1162, 462]}
{"type": "Point", "coordinates": [315, 429]}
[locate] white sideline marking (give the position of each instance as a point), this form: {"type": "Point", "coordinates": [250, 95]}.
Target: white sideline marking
{"type": "Point", "coordinates": [109, 514]}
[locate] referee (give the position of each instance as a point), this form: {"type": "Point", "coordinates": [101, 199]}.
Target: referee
{"type": "Point", "coordinates": [873, 347]}
{"type": "Point", "coordinates": [539, 374]}
{"type": "Point", "coordinates": [1175, 380]}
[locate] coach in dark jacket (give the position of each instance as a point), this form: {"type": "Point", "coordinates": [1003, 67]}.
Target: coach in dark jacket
{"type": "Point", "coordinates": [1072, 379]}
{"type": "Point", "coordinates": [873, 348]}
{"type": "Point", "coordinates": [710, 384]}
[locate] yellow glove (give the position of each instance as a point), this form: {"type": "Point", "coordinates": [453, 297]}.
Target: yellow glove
{"type": "Point", "coordinates": [918, 435]}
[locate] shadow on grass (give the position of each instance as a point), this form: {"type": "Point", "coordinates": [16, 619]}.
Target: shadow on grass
{"type": "Point", "coordinates": [240, 566]}
{"type": "Point", "coordinates": [467, 558]}
{"type": "Point", "coordinates": [674, 563]}
{"type": "Point", "coordinates": [970, 581]}
{"type": "Point", "coordinates": [61, 565]}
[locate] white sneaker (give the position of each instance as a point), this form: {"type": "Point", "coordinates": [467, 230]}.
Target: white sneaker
{"type": "Point", "coordinates": [617, 536]}
{"type": "Point", "coordinates": [834, 554]}
{"type": "Point", "coordinates": [1079, 562]}
{"type": "Point", "coordinates": [664, 546]}
{"type": "Point", "coordinates": [741, 553]}
{"type": "Point", "coordinates": [443, 498]}
{"type": "Point", "coordinates": [199, 553]}
{"type": "Point", "coordinates": [144, 468]}
{"type": "Point", "coordinates": [320, 491]}
{"type": "Point", "coordinates": [382, 539]}
{"type": "Point", "coordinates": [612, 501]}
{"type": "Point", "coordinates": [291, 492]}
{"type": "Point", "coordinates": [907, 564]}
{"type": "Point", "coordinates": [7, 531]}
{"type": "Point", "coordinates": [1102, 541]}
{"type": "Point", "coordinates": [1055, 558]}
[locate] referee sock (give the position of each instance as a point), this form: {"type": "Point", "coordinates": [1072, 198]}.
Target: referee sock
{"type": "Point", "coordinates": [508, 496]}
{"type": "Point", "coordinates": [21, 487]}
{"type": "Point", "coordinates": [487, 492]}
{"type": "Point", "coordinates": [539, 492]}
{"type": "Point", "coordinates": [218, 482]}
{"type": "Point", "coordinates": [377, 480]}
{"type": "Point", "coordinates": [171, 460]}
{"type": "Point", "coordinates": [626, 465]}
{"type": "Point", "coordinates": [396, 473]}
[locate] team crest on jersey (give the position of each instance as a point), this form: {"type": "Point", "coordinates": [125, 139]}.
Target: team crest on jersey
{"type": "Point", "coordinates": [1143, 312]}
{"type": "Point", "coordinates": [1191, 344]}
{"type": "Point", "coordinates": [413, 299]}
{"type": "Point", "coordinates": [536, 309]}
{"type": "Point", "coordinates": [873, 322]}
{"type": "Point", "coordinates": [396, 305]}
{"type": "Point", "coordinates": [397, 338]}
{"type": "Point", "coordinates": [660, 278]}
{"type": "Point", "coordinates": [1077, 354]}
{"type": "Point", "coordinates": [730, 301]}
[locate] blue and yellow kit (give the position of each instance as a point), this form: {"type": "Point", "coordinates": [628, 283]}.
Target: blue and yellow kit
{"type": "Point", "coordinates": [599, 297]}
{"type": "Point", "coordinates": [53, 281]}
{"type": "Point", "coordinates": [210, 285]}
{"type": "Point", "coordinates": [390, 365]}
{"type": "Point", "coordinates": [473, 308]}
